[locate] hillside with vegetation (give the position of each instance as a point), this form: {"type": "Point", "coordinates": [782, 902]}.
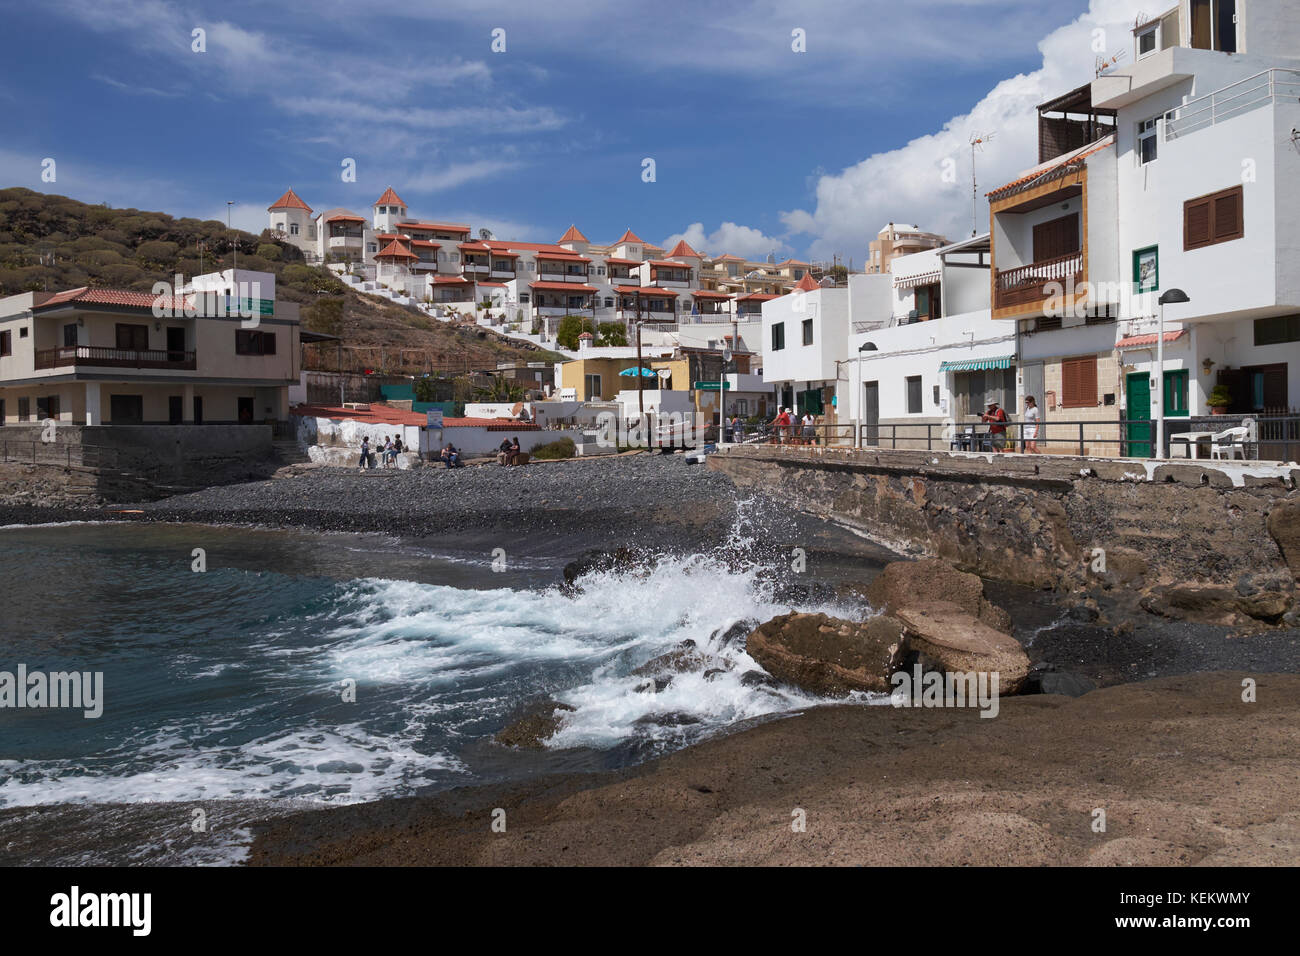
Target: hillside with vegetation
{"type": "Point", "coordinates": [52, 243]}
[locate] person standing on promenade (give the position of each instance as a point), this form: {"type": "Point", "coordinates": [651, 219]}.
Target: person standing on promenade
{"type": "Point", "coordinates": [997, 419]}
{"type": "Point", "coordinates": [1032, 418]}
{"type": "Point", "coordinates": [365, 452]}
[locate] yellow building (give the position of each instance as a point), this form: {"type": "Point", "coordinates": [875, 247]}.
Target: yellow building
{"type": "Point", "coordinates": [599, 379]}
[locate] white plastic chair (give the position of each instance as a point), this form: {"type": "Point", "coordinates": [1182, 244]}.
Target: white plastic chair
{"type": "Point", "coordinates": [1230, 442]}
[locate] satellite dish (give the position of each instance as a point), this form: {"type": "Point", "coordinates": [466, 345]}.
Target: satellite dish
{"type": "Point", "coordinates": [485, 234]}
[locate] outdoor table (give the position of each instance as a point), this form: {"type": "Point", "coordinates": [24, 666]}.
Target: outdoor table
{"type": "Point", "coordinates": [1190, 441]}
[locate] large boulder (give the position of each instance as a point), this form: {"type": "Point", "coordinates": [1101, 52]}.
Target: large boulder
{"type": "Point", "coordinates": [902, 584]}
{"type": "Point", "coordinates": [828, 656]}
{"type": "Point", "coordinates": [949, 638]}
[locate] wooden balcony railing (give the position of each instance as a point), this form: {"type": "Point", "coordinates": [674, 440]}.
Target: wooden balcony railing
{"type": "Point", "coordinates": [114, 358]}
{"type": "Point", "coordinates": [1026, 284]}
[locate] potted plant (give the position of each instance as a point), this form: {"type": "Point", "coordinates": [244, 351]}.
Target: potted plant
{"type": "Point", "coordinates": [1219, 400]}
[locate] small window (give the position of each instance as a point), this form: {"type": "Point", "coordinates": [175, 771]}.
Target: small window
{"type": "Point", "coordinates": [22, 333]}
{"type": "Point", "coordinates": [1148, 134]}
{"type": "Point", "coordinates": [778, 336]}
{"type": "Point", "coordinates": [807, 332]}
{"type": "Point", "coordinates": [293, 229]}
{"type": "Point", "coordinates": [254, 342]}
{"type": "Point", "coordinates": [913, 394]}
{"type": "Point", "coordinates": [24, 409]}
{"type": "Point", "coordinates": [1146, 42]}
{"type": "Point", "coordinates": [609, 302]}
{"type": "Point", "coordinates": [1146, 269]}
{"type": "Point", "coordinates": [6, 343]}
{"type": "Point", "coordinates": [1209, 220]}
{"type": "Point", "coordinates": [47, 406]}
{"type": "Point", "coordinates": [1278, 330]}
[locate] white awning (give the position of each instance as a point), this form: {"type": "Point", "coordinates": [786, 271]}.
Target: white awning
{"type": "Point", "coordinates": [920, 278]}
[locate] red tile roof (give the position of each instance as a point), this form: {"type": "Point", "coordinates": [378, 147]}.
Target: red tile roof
{"type": "Point", "coordinates": [395, 250]}
{"type": "Point", "coordinates": [381, 414]}
{"type": "Point", "coordinates": [289, 200]}
{"type": "Point", "coordinates": [389, 198]}
{"type": "Point", "coordinates": [1058, 164]}
{"type": "Point", "coordinates": [647, 290]}
{"type": "Point", "coordinates": [426, 243]}
{"type": "Point", "coordinates": [760, 296]}
{"type": "Point", "coordinates": [456, 280]}
{"type": "Point", "coordinates": [710, 294]}
{"type": "Point", "coordinates": [344, 216]}
{"type": "Point", "coordinates": [573, 235]}
{"type": "Point", "coordinates": [120, 297]}
{"type": "Point", "coordinates": [726, 258]}
{"type": "Point", "coordinates": [1137, 341]}
{"type": "Point", "coordinates": [682, 249]}
{"type": "Point", "coordinates": [561, 287]}
{"type": "Point", "coordinates": [629, 236]}
{"type": "Point", "coordinates": [664, 264]}
{"type": "Point", "coordinates": [807, 283]}
{"type": "Point", "coordinates": [622, 262]}
{"type": "Point", "coordinates": [791, 262]}
{"type": "Point", "coordinates": [444, 226]}
{"type": "Point", "coordinates": [474, 246]}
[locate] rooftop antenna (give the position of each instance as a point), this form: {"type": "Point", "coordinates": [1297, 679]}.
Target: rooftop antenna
{"type": "Point", "coordinates": [1105, 63]}
{"type": "Point", "coordinates": [977, 142]}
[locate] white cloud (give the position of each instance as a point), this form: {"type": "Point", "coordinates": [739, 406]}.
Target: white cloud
{"type": "Point", "coordinates": [729, 237]}
{"type": "Point", "coordinates": [248, 216]}
{"type": "Point", "coordinates": [907, 184]}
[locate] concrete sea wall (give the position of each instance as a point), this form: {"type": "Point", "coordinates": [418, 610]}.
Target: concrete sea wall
{"type": "Point", "coordinates": [1198, 540]}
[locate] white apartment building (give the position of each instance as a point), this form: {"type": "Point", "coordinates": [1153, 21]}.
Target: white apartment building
{"type": "Point", "coordinates": [1207, 157]}
{"type": "Point", "coordinates": [1176, 172]}
{"type": "Point", "coordinates": [804, 337]}
{"type": "Point", "coordinates": [532, 285]}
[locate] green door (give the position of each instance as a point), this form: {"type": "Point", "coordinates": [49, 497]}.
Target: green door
{"type": "Point", "coordinates": [1138, 432]}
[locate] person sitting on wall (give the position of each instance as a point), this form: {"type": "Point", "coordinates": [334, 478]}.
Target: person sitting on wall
{"type": "Point", "coordinates": [503, 452]}
{"type": "Point", "coordinates": [514, 450]}
{"type": "Point", "coordinates": [996, 418]}
{"type": "Point", "coordinates": [450, 456]}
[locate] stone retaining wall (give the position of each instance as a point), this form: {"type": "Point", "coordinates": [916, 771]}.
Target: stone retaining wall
{"type": "Point", "coordinates": [1201, 540]}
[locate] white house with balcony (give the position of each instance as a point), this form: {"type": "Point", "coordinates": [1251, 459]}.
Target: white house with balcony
{"type": "Point", "coordinates": [1207, 157]}
{"type": "Point", "coordinates": [924, 353]}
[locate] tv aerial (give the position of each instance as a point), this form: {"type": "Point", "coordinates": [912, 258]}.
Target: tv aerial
{"type": "Point", "coordinates": [977, 142]}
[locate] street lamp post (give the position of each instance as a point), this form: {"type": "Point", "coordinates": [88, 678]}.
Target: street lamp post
{"type": "Point", "coordinates": [1175, 296]}
{"type": "Point", "coordinates": [857, 399]}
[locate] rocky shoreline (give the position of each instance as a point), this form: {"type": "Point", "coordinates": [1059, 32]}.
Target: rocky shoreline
{"type": "Point", "coordinates": [1186, 772]}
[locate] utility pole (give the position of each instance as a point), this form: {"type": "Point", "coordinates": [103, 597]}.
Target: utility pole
{"type": "Point", "coordinates": [640, 383]}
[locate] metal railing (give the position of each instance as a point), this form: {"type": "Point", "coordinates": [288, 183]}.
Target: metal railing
{"type": "Point", "coordinates": [1232, 100]}
{"type": "Point", "coordinates": [1269, 438]}
{"type": "Point", "coordinates": [65, 454]}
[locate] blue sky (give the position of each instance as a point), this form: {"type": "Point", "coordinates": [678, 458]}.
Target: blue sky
{"type": "Point", "coordinates": [756, 147]}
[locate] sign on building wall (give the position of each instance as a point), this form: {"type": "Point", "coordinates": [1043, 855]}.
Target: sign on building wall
{"type": "Point", "coordinates": [434, 417]}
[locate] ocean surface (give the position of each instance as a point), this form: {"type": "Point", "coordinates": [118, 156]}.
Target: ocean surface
{"type": "Point", "coordinates": [229, 687]}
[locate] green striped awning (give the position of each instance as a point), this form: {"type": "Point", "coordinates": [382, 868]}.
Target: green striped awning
{"type": "Point", "coordinates": [977, 365]}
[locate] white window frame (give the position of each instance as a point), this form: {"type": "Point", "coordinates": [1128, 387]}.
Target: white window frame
{"type": "Point", "coordinates": [1149, 129]}
{"type": "Point", "coordinates": [1154, 31]}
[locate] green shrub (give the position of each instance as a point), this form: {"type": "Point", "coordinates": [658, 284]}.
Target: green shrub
{"type": "Point", "coordinates": [552, 451]}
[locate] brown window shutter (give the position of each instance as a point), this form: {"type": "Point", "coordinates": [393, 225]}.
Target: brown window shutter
{"type": "Point", "coordinates": [1079, 382]}
{"type": "Point", "coordinates": [1196, 223]}
{"type": "Point", "coordinates": [1227, 215]}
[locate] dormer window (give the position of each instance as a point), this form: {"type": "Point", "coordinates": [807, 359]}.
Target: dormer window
{"type": "Point", "coordinates": [1148, 41]}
